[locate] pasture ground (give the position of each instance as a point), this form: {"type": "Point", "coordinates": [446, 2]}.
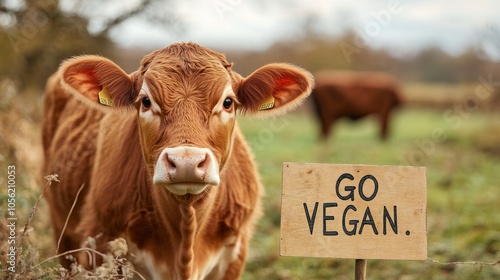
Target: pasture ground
{"type": "Point", "coordinates": [463, 181]}
{"type": "Point", "coordinates": [463, 169]}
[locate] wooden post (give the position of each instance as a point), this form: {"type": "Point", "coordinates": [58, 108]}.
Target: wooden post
{"type": "Point", "coordinates": [360, 269]}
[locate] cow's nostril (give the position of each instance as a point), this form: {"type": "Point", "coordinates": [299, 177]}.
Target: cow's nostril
{"type": "Point", "coordinates": [202, 163]}
{"type": "Point", "coordinates": [170, 162]}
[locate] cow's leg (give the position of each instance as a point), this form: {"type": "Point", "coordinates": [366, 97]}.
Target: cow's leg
{"type": "Point", "coordinates": [326, 125]}
{"type": "Point", "coordinates": [64, 216]}
{"type": "Point", "coordinates": [236, 267]}
{"type": "Point", "coordinates": [91, 231]}
{"type": "Point", "coordinates": [384, 121]}
{"type": "Point", "coordinates": [67, 243]}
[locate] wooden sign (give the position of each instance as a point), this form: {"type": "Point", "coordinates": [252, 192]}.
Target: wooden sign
{"type": "Point", "coordinates": [353, 211]}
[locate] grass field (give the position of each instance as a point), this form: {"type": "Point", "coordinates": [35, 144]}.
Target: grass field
{"type": "Point", "coordinates": [463, 167]}
{"type": "Point", "coordinates": [461, 153]}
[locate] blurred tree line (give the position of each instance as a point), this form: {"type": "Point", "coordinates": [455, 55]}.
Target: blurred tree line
{"type": "Point", "coordinates": [36, 35]}
{"type": "Point", "coordinates": [315, 52]}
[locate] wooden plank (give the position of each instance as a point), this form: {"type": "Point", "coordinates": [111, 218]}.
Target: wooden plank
{"type": "Point", "coordinates": [354, 211]}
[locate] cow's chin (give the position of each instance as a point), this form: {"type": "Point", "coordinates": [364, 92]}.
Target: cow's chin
{"type": "Point", "coordinates": [183, 189]}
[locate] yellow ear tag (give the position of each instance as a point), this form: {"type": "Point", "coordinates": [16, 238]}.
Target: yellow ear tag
{"type": "Point", "coordinates": [104, 98]}
{"type": "Point", "coordinates": [267, 104]}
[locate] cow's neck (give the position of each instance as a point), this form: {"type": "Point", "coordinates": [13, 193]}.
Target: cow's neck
{"type": "Point", "coordinates": [186, 217]}
{"type": "Point", "coordinates": [188, 230]}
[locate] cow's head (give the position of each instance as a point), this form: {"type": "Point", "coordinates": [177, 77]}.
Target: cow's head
{"type": "Point", "coordinates": [186, 97]}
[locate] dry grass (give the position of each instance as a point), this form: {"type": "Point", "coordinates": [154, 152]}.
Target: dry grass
{"type": "Point", "coordinates": [34, 245]}
{"type": "Point", "coordinates": [441, 95]}
{"type": "Point", "coordinates": [27, 256]}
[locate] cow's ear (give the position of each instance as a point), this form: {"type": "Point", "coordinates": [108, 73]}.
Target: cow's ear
{"type": "Point", "coordinates": [98, 81]}
{"type": "Point", "coordinates": [274, 89]}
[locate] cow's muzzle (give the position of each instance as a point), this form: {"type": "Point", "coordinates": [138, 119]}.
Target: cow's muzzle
{"type": "Point", "coordinates": [186, 170]}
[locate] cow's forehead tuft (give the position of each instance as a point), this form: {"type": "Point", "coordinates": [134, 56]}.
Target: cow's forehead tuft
{"type": "Point", "coordinates": [189, 56]}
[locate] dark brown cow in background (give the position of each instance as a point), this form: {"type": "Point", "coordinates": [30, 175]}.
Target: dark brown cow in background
{"type": "Point", "coordinates": [354, 95]}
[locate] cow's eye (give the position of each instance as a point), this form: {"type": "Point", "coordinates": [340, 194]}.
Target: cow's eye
{"type": "Point", "coordinates": [228, 102]}
{"type": "Point", "coordinates": [146, 102]}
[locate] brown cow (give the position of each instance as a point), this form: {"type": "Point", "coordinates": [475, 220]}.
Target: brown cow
{"type": "Point", "coordinates": [173, 174]}
{"type": "Point", "coordinates": [354, 95]}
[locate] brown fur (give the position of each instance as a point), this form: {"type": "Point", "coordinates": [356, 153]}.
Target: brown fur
{"type": "Point", "coordinates": [113, 152]}
{"type": "Point", "coordinates": [354, 95]}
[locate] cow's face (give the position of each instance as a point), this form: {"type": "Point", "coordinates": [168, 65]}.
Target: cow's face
{"type": "Point", "coordinates": [186, 98]}
{"type": "Point", "coordinates": [186, 111]}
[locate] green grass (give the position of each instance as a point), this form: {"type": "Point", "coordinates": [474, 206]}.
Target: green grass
{"type": "Point", "coordinates": [462, 156]}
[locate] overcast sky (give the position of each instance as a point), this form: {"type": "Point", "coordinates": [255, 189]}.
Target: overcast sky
{"type": "Point", "coordinates": [400, 25]}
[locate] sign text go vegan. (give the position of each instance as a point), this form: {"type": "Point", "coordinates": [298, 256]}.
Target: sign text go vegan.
{"type": "Point", "coordinates": [354, 211]}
